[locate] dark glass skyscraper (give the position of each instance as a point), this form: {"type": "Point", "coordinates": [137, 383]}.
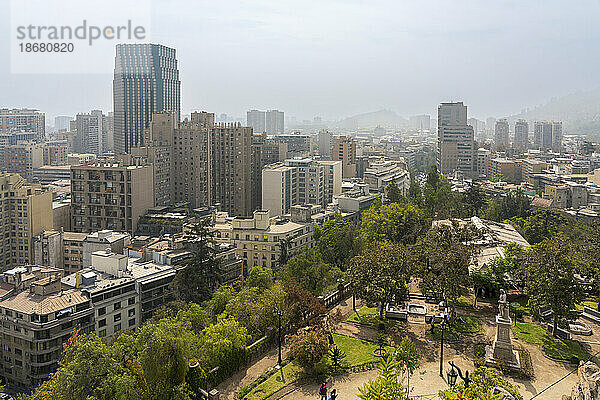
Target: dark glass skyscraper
{"type": "Point", "coordinates": [146, 80]}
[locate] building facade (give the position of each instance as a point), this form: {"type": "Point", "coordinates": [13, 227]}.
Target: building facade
{"type": "Point", "coordinates": [146, 80]}
{"type": "Point", "coordinates": [26, 211]}
{"type": "Point", "coordinates": [23, 120]}
{"type": "Point", "coordinates": [110, 196]}
{"type": "Point", "coordinates": [456, 145]}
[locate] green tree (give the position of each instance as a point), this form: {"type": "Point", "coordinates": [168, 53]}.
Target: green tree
{"type": "Point", "coordinates": [310, 271]}
{"type": "Point", "coordinates": [285, 251]}
{"type": "Point", "coordinates": [201, 274]}
{"type": "Point", "coordinates": [549, 276]}
{"type": "Point", "coordinates": [541, 225]}
{"type": "Point", "coordinates": [381, 273]}
{"type": "Point", "coordinates": [164, 350]}
{"type": "Point", "coordinates": [513, 205]}
{"type": "Point", "coordinates": [336, 241]}
{"type": "Point", "coordinates": [446, 253]}
{"type": "Point", "coordinates": [483, 381]}
{"type": "Point", "coordinates": [415, 195]}
{"type": "Point", "coordinates": [474, 199]}
{"type": "Point", "coordinates": [309, 348]}
{"type": "Point", "coordinates": [438, 198]}
{"type": "Point", "coordinates": [408, 359]}
{"type": "Point", "coordinates": [393, 193]}
{"type": "Point", "coordinates": [260, 277]}
{"type": "Point", "coordinates": [224, 345]}
{"type": "Point", "coordinates": [336, 356]}
{"type": "Point", "coordinates": [398, 223]}
{"type": "Point", "coordinates": [388, 385]}
{"type": "Point", "coordinates": [301, 304]}
{"type": "Point", "coordinates": [90, 369]}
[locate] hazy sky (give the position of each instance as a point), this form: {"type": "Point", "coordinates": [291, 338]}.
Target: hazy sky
{"type": "Point", "coordinates": [339, 58]}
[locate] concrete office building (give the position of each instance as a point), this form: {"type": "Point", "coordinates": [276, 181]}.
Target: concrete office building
{"type": "Point", "coordinates": [501, 134]}
{"type": "Point", "coordinates": [383, 172]}
{"type": "Point", "coordinates": [23, 120]}
{"type": "Point", "coordinates": [456, 145]}
{"type": "Point", "coordinates": [110, 196]}
{"type": "Point", "coordinates": [344, 150]}
{"type": "Point", "coordinates": [146, 80]}
{"type": "Point", "coordinates": [26, 211]}
{"type": "Point", "coordinates": [521, 141]}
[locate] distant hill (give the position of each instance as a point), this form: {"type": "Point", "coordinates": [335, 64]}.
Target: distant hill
{"type": "Point", "coordinates": [384, 118]}
{"type": "Point", "coordinates": [580, 112]}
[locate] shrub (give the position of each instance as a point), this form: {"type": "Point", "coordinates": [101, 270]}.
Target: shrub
{"type": "Point", "coordinates": [308, 348]}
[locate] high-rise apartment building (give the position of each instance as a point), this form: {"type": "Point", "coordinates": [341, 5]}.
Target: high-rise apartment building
{"type": "Point", "coordinates": [265, 151]}
{"type": "Point", "coordinates": [91, 134]}
{"type": "Point", "coordinates": [455, 150]}
{"type": "Point", "coordinates": [146, 80]}
{"type": "Point", "coordinates": [23, 120]}
{"type": "Point", "coordinates": [325, 141]}
{"type": "Point", "coordinates": [110, 196]}
{"type": "Point", "coordinates": [274, 122]}
{"type": "Point", "coordinates": [255, 119]}
{"type": "Point", "coordinates": [23, 158]}
{"type": "Point", "coordinates": [26, 211]}
{"type": "Point", "coordinates": [42, 317]}
{"type": "Point", "coordinates": [420, 122]}
{"type": "Point", "coordinates": [61, 123]}
{"type": "Point", "coordinates": [270, 122]}
{"type": "Point", "coordinates": [344, 150]}
{"type": "Point", "coordinates": [521, 141]}
{"type": "Point", "coordinates": [547, 136]}
{"type": "Point", "coordinates": [55, 153]}
{"type": "Point", "coordinates": [300, 181]}
{"type": "Point", "coordinates": [501, 134]}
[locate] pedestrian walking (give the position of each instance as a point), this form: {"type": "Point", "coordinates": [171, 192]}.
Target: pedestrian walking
{"type": "Point", "coordinates": [333, 395]}
{"type": "Point", "coordinates": [323, 391]}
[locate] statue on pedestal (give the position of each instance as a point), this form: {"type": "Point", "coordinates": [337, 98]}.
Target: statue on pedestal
{"type": "Point", "coordinates": [502, 350]}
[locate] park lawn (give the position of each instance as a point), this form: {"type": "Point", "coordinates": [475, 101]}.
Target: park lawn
{"type": "Point", "coordinates": [463, 301]}
{"type": "Point", "coordinates": [556, 348]}
{"type": "Point", "coordinates": [291, 373]}
{"type": "Point", "coordinates": [370, 316]}
{"type": "Point", "coordinates": [452, 333]}
{"type": "Point", "coordinates": [587, 303]}
{"type": "Point", "coordinates": [357, 351]}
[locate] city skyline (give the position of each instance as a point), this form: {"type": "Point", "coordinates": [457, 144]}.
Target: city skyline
{"type": "Point", "coordinates": [305, 79]}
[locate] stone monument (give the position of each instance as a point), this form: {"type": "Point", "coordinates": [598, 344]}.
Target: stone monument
{"type": "Point", "coordinates": [501, 351]}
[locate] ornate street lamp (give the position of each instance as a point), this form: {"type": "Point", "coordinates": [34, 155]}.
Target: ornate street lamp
{"type": "Point", "coordinates": [442, 348]}
{"type": "Point", "coordinates": [452, 375]}
{"type": "Point", "coordinates": [464, 378]}
{"type": "Point", "coordinates": [277, 313]}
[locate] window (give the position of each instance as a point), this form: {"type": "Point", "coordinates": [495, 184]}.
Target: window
{"type": "Point", "coordinates": [117, 317]}
{"type": "Point", "coordinates": [118, 305]}
{"type": "Point", "coordinates": [132, 322]}
{"type": "Point", "coordinates": [102, 333]}
{"type": "Point", "coordinates": [131, 301]}
{"type": "Point", "coordinates": [117, 327]}
{"type": "Point", "coordinates": [102, 323]}
{"type": "Point", "coordinates": [131, 312]}
{"type": "Point", "coordinates": [102, 311]}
